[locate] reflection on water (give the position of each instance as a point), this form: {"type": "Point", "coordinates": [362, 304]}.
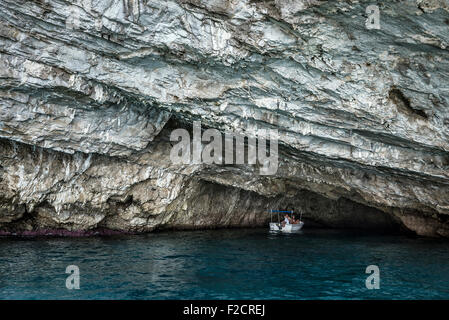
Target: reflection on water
{"type": "Point", "coordinates": [225, 264]}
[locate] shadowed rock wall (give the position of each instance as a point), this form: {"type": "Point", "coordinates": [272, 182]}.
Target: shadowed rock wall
{"type": "Point", "coordinates": [88, 88]}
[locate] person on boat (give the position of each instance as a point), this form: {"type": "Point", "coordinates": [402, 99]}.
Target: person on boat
{"type": "Point", "coordinates": [286, 220]}
{"type": "Point", "coordinates": [294, 221]}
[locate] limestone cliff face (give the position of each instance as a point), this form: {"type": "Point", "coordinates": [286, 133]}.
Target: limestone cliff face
{"type": "Point", "coordinates": [91, 89]}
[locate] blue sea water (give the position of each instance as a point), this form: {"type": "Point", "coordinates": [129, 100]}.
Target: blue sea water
{"type": "Point", "coordinates": [226, 264]}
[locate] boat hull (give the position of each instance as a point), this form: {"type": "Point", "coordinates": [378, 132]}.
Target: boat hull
{"type": "Point", "coordinates": [289, 228]}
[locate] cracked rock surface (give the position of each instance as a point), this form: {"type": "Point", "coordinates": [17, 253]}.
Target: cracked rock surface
{"type": "Point", "coordinates": [91, 89]}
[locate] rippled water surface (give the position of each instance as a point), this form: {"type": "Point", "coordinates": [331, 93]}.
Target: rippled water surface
{"type": "Point", "coordinates": [225, 264]}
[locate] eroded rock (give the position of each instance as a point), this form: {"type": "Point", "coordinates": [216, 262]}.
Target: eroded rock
{"type": "Point", "coordinates": [87, 88]}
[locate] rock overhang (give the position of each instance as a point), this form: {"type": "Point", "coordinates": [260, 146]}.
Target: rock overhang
{"type": "Point", "coordinates": [362, 114]}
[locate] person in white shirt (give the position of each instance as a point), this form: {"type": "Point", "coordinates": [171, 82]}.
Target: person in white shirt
{"type": "Point", "coordinates": [286, 220]}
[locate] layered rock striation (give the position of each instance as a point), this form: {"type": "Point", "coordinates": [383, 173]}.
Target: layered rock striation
{"type": "Point", "coordinates": [91, 90]}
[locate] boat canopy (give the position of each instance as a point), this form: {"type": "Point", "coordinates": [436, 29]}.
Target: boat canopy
{"type": "Point", "coordinates": [279, 211]}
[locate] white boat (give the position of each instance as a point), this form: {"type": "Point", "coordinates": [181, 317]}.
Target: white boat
{"type": "Point", "coordinates": [287, 228]}
{"type": "Point", "coordinates": [277, 226]}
